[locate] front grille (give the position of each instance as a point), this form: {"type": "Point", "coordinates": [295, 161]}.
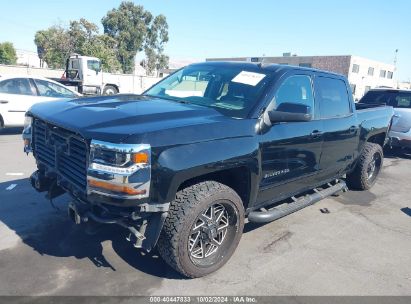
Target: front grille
{"type": "Point", "coordinates": [62, 152]}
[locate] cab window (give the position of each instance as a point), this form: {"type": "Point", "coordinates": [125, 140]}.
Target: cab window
{"type": "Point", "coordinates": [295, 89]}
{"type": "Point", "coordinates": [93, 65]}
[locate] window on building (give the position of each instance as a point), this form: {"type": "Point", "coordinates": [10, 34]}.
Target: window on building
{"type": "Point", "coordinates": [353, 87]}
{"type": "Point", "coordinates": [366, 89]}
{"type": "Point", "coordinates": [382, 73]}
{"type": "Point", "coordinates": [305, 65]}
{"type": "Point", "coordinates": [389, 74]}
{"type": "Point", "coordinates": [333, 97]}
{"type": "Point", "coordinates": [355, 68]}
{"type": "Point", "coordinates": [371, 71]}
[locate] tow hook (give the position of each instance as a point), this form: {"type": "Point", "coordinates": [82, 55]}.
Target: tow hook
{"type": "Point", "coordinates": [75, 215]}
{"type": "Point", "coordinates": [82, 214]}
{"type": "Point", "coordinates": [40, 182]}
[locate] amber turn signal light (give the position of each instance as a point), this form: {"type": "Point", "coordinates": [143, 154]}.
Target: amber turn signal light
{"type": "Point", "coordinates": [140, 158]}
{"type": "Point", "coordinates": [115, 188]}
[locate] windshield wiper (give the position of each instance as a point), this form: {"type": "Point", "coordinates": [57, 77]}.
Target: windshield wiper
{"type": "Point", "coordinates": [169, 98]}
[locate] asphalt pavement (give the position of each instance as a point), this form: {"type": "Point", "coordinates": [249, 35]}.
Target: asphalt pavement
{"type": "Point", "coordinates": [361, 247]}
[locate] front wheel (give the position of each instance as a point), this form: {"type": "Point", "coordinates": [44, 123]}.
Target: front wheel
{"type": "Point", "coordinates": [203, 228]}
{"type": "Point", "coordinates": [367, 169]}
{"type": "Point", "coordinates": [110, 90]}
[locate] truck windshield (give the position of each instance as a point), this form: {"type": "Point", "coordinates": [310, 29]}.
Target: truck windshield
{"type": "Point", "coordinates": [231, 90]}
{"type": "Point", "coordinates": [396, 99]}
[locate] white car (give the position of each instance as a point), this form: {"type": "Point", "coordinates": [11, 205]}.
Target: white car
{"type": "Point", "coordinates": [19, 93]}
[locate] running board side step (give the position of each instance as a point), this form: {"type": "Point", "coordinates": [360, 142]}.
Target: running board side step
{"type": "Point", "coordinates": [275, 213]}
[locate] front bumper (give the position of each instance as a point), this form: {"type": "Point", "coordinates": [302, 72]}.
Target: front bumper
{"type": "Point", "coordinates": [143, 221]}
{"type": "Point", "coordinates": [144, 228]}
{"type": "Point", "coordinates": [400, 139]}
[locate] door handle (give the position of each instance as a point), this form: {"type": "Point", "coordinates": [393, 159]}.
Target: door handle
{"type": "Point", "coordinates": [316, 133]}
{"type": "Point", "coordinates": [352, 129]}
{"type": "Point", "coordinates": [4, 101]}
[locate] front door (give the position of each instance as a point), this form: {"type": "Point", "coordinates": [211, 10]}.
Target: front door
{"type": "Point", "coordinates": [291, 150]}
{"type": "Point", "coordinates": [93, 76]}
{"type": "Point", "coordinates": [16, 97]}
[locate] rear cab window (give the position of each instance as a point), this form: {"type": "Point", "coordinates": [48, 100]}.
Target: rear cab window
{"type": "Point", "coordinates": [332, 96]}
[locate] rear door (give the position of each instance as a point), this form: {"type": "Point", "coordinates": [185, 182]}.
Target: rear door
{"type": "Point", "coordinates": [340, 127]}
{"type": "Point", "coordinates": [16, 97]}
{"type": "Point", "coordinates": [290, 150]}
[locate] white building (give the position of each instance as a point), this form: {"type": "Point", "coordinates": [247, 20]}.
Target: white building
{"type": "Point", "coordinates": [365, 74]}
{"type": "Point", "coordinates": [29, 58]}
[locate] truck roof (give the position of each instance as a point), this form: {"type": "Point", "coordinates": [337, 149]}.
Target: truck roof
{"type": "Point", "coordinates": [390, 90]}
{"type": "Point", "coordinates": [264, 66]}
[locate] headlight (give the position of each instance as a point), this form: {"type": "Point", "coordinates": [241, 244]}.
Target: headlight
{"type": "Point", "coordinates": [119, 170]}
{"type": "Point", "coordinates": [28, 121]}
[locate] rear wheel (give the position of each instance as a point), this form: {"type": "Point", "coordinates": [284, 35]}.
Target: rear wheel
{"type": "Point", "coordinates": [367, 169]}
{"type": "Point", "coordinates": [203, 229]}
{"type": "Point", "coordinates": [110, 90]}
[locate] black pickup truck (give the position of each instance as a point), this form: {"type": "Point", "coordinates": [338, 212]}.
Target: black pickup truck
{"type": "Point", "coordinates": [182, 165]}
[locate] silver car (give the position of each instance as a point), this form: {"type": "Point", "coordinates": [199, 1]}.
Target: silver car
{"type": "Point", "coordinates": [400, 100]}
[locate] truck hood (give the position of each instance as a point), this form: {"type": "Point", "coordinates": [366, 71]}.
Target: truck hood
{"type": "Point", "coordinates": [133, 118]}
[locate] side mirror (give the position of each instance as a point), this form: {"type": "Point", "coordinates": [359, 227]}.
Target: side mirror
{"type": "Point", "coordinates": [290, 112]}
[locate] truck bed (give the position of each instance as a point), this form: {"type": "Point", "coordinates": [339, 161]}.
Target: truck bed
{"type": "Point", "coordinates": [362, 106]}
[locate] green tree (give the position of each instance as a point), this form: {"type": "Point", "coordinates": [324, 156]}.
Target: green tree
{"type": "Point", "coordinates": [136, 30]}
{"type": "Point", "coordinates": [157, 37]}
{"type": "Point", "coordinates": [127, 30]}
{"type": "Point", "coordinates": [7, 53]}
{"type": "Point", "coordinates": [87, 41]}
{"type": "Point", "coordinates": [54, 45]}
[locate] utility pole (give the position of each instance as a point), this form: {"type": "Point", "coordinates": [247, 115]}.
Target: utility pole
{"type": "Point", "coordinates": [395, 59]}
{"type": "Point", "coordinates": [395, 66]}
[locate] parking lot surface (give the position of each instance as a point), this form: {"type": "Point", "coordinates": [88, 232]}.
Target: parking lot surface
{"type": "Point", "coordinates": [361, 247]}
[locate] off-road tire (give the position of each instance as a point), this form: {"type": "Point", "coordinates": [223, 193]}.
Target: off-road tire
{"type": "Point", "coordinates": [110, 90]}
{"type": "Point", "coordinates": [358, 179]}
{"type": "Point", "coordinates": [173, 244]}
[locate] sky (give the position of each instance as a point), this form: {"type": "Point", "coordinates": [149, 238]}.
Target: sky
{"type": "Point", "coordinates": [243, 28]}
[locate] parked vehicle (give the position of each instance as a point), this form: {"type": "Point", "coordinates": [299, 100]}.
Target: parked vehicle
{"type": "Point", "coordinates": [400, 131]}
{"type": "Point", "coordinates": [19, 93]}
{"type": "Point", "coordinates": [85, 75]}
{"type": "Point", "coordinates": [184, 164]}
